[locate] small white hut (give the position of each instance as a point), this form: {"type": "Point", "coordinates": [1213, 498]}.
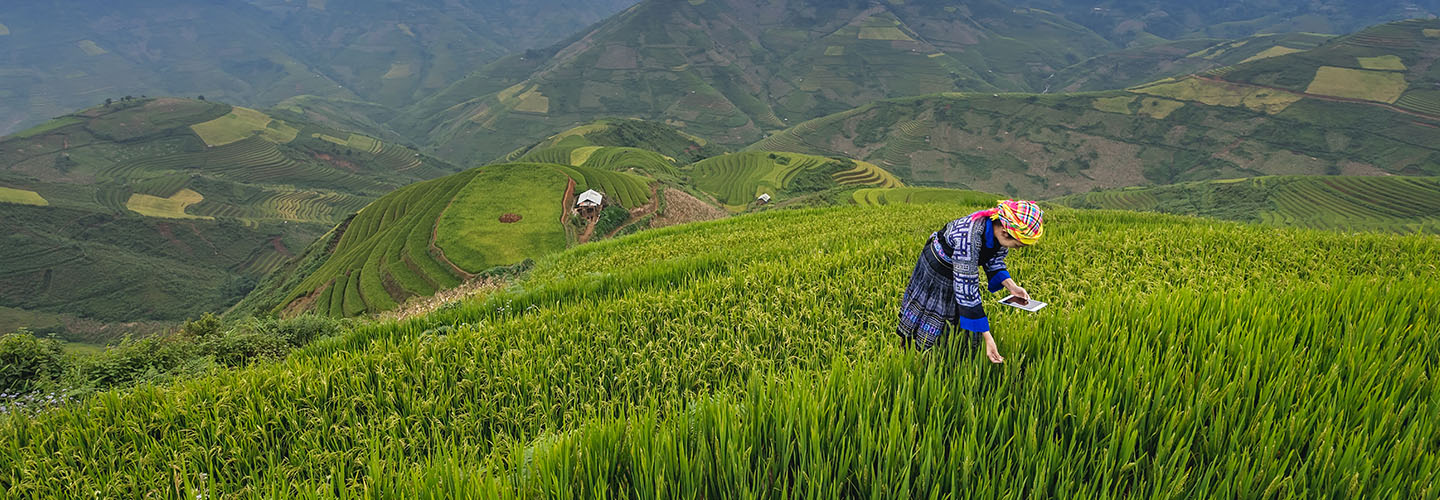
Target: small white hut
{"type": "Point", "coordinates": [763, 198]}
{"type": "Point", "coordinates": [588, 204]}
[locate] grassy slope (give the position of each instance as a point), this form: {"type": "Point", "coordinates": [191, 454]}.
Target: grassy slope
{"type": "Point", "coordinates": [383, 256]}
{"type": "Point", "coordinates": [805, 382]}
{"type": "Point", "coordinates": [1399, 204]}
{"type": "Point", "coordinates": [468, 231]}
{"type": "Point", "coordinates": [220, 216]}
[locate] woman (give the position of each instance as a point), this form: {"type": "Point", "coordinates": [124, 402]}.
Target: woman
{"type": "Point", "coordinates": [945, 287]}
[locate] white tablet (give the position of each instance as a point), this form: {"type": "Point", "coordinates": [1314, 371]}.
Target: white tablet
{"type": "Point", "coordinates": [1019, 303]}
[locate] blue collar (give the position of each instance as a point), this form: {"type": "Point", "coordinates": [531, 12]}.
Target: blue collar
{"type": "Point", "coordinates": [989, 233]}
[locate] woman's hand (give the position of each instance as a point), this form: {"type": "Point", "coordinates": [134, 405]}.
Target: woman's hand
{"type": "Point", "coordinates": [992, 351]}
{"type": "Point", "coordinates": [1016, 290]}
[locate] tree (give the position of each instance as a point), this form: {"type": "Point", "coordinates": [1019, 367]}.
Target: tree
{"type": "Point", "coordinates": [108, 101]}
{"type": "Point", "coordinates": [202, 97]}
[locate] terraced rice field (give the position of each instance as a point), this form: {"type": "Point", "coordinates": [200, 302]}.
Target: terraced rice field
{"type": "Point", "coordinates": [632, 190]}
{"type": "Point", "coordinates": [1424, 101]}
{"type": "Point", "coordinates": [916, 195]}
{"type": "Point", "coordinates": [1401, 204]}
{"type": "Point", "coordinates": [736, 179]}
{"type": "Point", "coordinates": [867, 174]}
{"type": "Point", "coordinates": [1138, 200]}
{"type": "Point", "coordinates": [387, 242]}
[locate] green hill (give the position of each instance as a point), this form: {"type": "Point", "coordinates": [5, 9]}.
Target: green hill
{"type": "Point", "coordinates": [635, 134]}
{"type": "Point", "coordinates": [159, 209]}
{"type": "Point", "coordinates": [434, 235]}
{"type": "Point", "coordinates": [1399, 204]}
{"type": "Point", "coordinates": [754, 357]}
{"type": "Point", "coordinates": [1173, 130]}
{"type": "Point", "coordinates": [735, 180]}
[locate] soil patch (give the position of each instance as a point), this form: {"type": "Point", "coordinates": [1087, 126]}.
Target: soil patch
{"type": "Point", "coordinates": [510, 218]}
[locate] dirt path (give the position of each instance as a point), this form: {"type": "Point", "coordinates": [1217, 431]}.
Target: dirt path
{"type": "Point", "coordinates": [639, 212]}
{"type": "Point", "coordinates": [439, 253]}
{"type": "Point", "coordinates": [1308, 95]}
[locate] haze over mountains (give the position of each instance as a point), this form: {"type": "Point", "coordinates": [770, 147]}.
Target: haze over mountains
{"type": "Point", "coordinates": [56, 57]}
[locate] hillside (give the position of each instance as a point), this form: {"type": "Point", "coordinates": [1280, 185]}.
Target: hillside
{"type": "Point", "coordinates": [490, 220]}
{"type": "Point", "coordinates": [638, 134]}
{"type": "Point", "coordinates": [259, 52]}
{"type": "Point", "coordinates": [1399, 204]}
{"type": "Point", "coordinates": [728, 70]}
{"type": "Point", "coordinates": [1220, 125]}
{"type": "Point", "coordinates": [760, 351]}
{"type": "Point", "coordinates": [1145, 64]}
{"type": "Point", "coordinates": [159, 209]}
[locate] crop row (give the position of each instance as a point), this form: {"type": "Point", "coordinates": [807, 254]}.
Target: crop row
{"type": "Point", "coordinates": [618, 158]}
{"type": "Point", "coordinates": [1424, 101]}
{"type": "Point", "coordinates": [866, 173]}
{"type": "Point", "coordinates": [887, 196]}
{"type": "Point", "coordinates": [632, 190]}
{"type": "Point", "coordinates": [388, 240]}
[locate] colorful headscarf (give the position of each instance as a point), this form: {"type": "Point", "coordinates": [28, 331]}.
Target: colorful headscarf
{"type": "Point", "coordinates": [1022, 219]}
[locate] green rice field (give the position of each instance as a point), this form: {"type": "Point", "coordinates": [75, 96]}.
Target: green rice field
{"type": "Point", "coordinates": [1169, 364]}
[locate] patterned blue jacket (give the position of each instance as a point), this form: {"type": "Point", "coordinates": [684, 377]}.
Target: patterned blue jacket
{"type": "Point", "coordinates": [974, 248]}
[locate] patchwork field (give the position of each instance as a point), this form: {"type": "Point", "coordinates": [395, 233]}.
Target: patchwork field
{"type": "Point", "coordinates": [243, 123]}
{"type": "Point", "coordinates": [21, 197]}
{"type": "Point", "coordinates": [172, 207]}
{"type": "Point", "coordinates": [1379, 86]}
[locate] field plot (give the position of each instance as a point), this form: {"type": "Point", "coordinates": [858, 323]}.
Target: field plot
{"type": "Point", "coordinates": [243, 123]}
{"type": "Point", "coordinates": [1379, 86]}
{"type": "Point", "coordinates": [1222, 94]}
{"type": "Point", "coordinates": [1278, 50]}
{"type": "Point", "coordinates": [632, 190]}
{"type": "Point", "coordinates": [754, 357]}
{"type": "Point", "coordinates": [172, 207]}
{"type": "Point", "coordinates": [1389, 62]}
{"type": "Point", "coordinates": [470, 233]}
{"type": "Point", "coordinates": [21, 197]}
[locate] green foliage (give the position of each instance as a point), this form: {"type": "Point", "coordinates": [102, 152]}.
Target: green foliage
{"type": "Point", "coordinates": [135, 361]}
{"type": "Point", "coordinates": [28, 363]}
{"type": "Point", "coordinates": [760, 344]}
{"type": "Point", "coordinates": [610, 219]}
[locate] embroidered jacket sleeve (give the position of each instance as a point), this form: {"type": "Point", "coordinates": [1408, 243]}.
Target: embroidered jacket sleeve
{"type": "Point", "coordinates": [966, 259]}
{"type": "Point", "coordinates": [995, 268]}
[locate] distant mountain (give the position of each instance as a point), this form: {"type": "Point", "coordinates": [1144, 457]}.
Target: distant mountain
{"type": "Point", "coordinates": [158, 209]}
{"type": "Point", "coordinates": [1363, 104]}
{"type": "Point", "coordinates": [733, 70]}
{"type": "Point", "coordinates": [729, 70]}
{"type": "Point", "coordinates": [55, 58]}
